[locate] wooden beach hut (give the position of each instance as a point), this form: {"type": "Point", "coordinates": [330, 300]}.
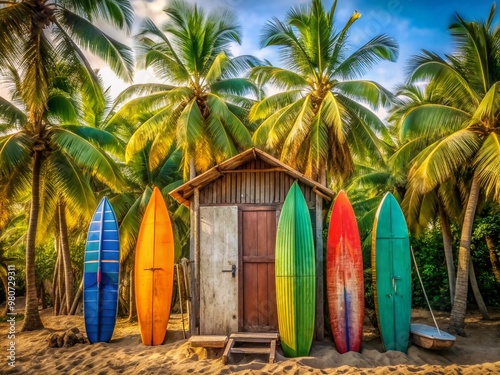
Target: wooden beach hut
{"type": "Point", "coordinates": [235, 208]}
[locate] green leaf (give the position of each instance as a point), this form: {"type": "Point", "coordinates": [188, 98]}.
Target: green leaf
{"type": "Point", "coordinates": [439, 161]}
{"type": "Point", "coordinates": [89, 156]}
{"type": "Point", "coordinates": [15, 152]}
{"type": "Point", "coordinates": [116, 54]}
{"type": "Point", "coordinates": [107, 141]}
{"type": "Point", "coordinates": [430, 119]}
{"type": "Point", "coordinates": [381, 47]}
{"type": "Point", "coordinates": [368, 92]}
{"type": "Point", "coordinates": [487, 163]}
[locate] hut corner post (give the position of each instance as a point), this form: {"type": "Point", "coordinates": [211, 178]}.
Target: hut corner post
{"type": "Point", "coordinates": [194, 250]}
{"type": "Point", "coordinates": [319, 330]}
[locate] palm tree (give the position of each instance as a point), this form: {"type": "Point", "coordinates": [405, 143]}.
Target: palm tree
{"type": "Point", "coordinates": [445, 201]}
{"type": "Point", "coordinates": [34, 36]}
{"type": "Point", "coordinates": [467, 129]}
{"type": "Point", "coordinates": [317, 122]}
{"type": "Point", "coordinates": [201, 106]}
{"type": "Point", "coordinates": [131, 204]}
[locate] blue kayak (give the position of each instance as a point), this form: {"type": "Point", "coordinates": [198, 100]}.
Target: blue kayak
{"type": "Point", "coordinates": [101, 274]}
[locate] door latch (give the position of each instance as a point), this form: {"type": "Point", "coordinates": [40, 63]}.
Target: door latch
{"type": "Point", "coordinates": [232, 270]}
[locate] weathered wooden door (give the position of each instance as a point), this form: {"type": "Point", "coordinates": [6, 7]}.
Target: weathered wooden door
{"type": "Point", "coordinates": [218, 253]}
{"type": "Point", "coordinates": [258, 291]}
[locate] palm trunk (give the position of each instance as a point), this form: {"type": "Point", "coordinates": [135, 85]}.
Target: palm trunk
{"type": "Point", "coordinates": [41, 293]}
{"type": "Point", "coordinates": [448, 250]}
{"type": "Point", "coordinates": [477, 293]}
{"type": "Point", "coordinates": [77, 299]}
{"type": "Point", "coordinates": [6, 289]}
{"type": "Point", "coordinates": [55, 277]}
{"type": "Point", "coordinates": [68, 270]}
{"type": "Point", "coordinates": [63, 309]}
{"type": "Point", "coordinates": [494, 258]}
{"type": "Point", "coordinates": [32, 319]}
{"type": "Point", "coordinates": [132, 316]}
{"type": "Point", "coordinates": [457, 318]}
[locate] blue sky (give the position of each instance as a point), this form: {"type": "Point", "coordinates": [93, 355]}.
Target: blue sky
{"type": "Point", "coordinates": [415, 24]}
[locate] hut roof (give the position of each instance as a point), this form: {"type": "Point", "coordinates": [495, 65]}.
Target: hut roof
{"type": "Point", "coordinates": [183, 193]}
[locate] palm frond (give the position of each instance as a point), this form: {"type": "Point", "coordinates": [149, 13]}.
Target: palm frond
{"type": "Point", "coordinates": [487, 163]}
{"type": "Point", "coordinates": [107, 141]}
{"type": "Point", "coordinates": [15, 152]}
{"type": "Point", "coordinates": [139, 90]}
{"type": "Point", "coordinates": [131, 223]}
{"type": "Point", "coordinates": [116, 54]}
{"type": "Point", "coordinates": [61, 108]}
{"type": "Point", "coordinates": [269, 105]}
{"type": "Point", "coordinates": [381, 47]}
{"type": "Point", "coordinates": [448, 80]}
{"type": "Point", "coordinates": [368, 92]}
{"type": "Point", "coordinates": [88, 156]}
{"type": "Point", "coordinates": [235, 86]}
{"type": "Point", "coordinates": [13, 29]}
{"type": "Point", "coordinates": [233, 126]}
{"type": "Point", "coordinates": [275, 128]}
{"type": "Point", "coordinates": [71, 184]}
{"type": "Point", "coordinates": [11, 113]}
{"type": "Point", "coordinates": [439, 161]}
{"type": "Point", "coordinates": [164, 119]}
{"type": "Point", "coordinates": [37, 63]}
{"type": "Point", "coordinates": [489, 108]}
{"type": "Point", "coordinates": [429, 118]}
{"type": "Point", "coordinates": [278, 77]}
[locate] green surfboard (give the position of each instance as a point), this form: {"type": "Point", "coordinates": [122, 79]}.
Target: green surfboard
{"type": "Point", "coordinates": [295, 275]}
{"type": "Point", "coordinates": [391, 274]}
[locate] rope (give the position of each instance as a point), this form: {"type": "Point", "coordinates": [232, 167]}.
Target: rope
{"type": "Point", "coordinates": [423, 289]}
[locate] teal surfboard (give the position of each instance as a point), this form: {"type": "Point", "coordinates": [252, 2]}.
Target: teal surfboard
{"type": "Point", "coordinates": [391, 274]}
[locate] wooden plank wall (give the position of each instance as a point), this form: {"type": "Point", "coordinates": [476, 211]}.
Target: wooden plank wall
{"type": "Point", "coordinates": [268, 187]}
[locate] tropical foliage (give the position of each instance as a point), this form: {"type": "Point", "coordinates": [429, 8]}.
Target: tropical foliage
{"type": "Point", "coordinates": [64, 144]}
{"type": "Point", "coordinates": [317, 121]}
{"type": "Point", "coordinates": [465, 129]}
{"type": "Point", "coordinates": [202, 108]}
{"type": "Point", "coordinates": [36, 37]}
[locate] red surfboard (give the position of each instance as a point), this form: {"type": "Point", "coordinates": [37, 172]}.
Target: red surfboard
{"type": "Point", "coordinates": [344, 277]}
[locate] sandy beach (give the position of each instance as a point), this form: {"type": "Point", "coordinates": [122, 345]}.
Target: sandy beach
{"type": "Point", "coordinates": [479, 353]}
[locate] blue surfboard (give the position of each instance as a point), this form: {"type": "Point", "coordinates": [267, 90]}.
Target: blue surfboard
{"type": "Point", "coordinates": [101, 272]}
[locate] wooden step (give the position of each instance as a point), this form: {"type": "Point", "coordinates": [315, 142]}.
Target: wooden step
{"type": "Point", "coordinates": [208, 341]}
{"type": "Point", "coordinates": [250, 350]}
{"type": "Point", "coordinates": [255, 338]}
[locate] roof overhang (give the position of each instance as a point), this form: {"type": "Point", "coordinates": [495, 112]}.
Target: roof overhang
{"type": "Point", "coordinates": [183, 193]}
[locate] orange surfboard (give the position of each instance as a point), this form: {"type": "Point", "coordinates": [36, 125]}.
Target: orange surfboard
{"type": "Point", "coordinates": [154, 271]}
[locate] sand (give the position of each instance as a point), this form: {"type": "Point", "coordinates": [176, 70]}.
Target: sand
{"type": "Point", "coordinates": [479, 353]}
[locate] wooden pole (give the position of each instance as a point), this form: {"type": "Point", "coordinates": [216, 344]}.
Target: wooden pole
{"type": "Point", "coordinates": [77, 299]}
{"type": "Point", "coordinates": [195, 260]}
{"type": "Point", "coordinates": [180, 299]}
{"type": "Point", "coordinates": [319, 329]}
{"type": "Point", "coordinates": [187, 283]}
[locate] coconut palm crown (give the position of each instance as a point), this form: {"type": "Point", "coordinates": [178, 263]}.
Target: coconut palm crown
{"type": "Point", "coordinates": [201, 106]}
{"type": "Point", "coordinates": [465, 130]}
{"type": "Point", "coordinates": [317, 121]}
